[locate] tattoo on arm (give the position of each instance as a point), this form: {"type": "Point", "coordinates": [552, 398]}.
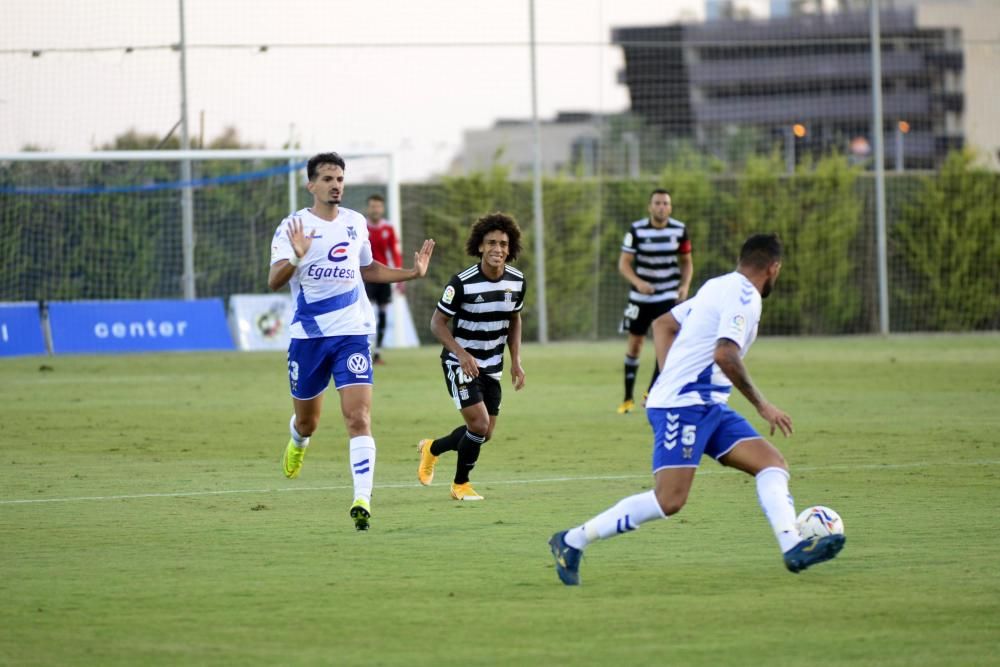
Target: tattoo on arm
{"type": "Point", "coordinates": [727, 356]}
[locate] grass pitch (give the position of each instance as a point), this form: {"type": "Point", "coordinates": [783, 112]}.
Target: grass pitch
{"type": "Point", "coordinates": [144, 518]}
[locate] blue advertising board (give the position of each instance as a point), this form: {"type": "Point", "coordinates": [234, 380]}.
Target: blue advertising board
{"type": "Point", "coordinates": [88, 327]}
{"type": "Point", "coordinates": [20, 329]}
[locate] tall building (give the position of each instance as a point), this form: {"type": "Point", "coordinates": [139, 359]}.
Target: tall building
{"type": "Point", "coordinates": [979, 22]}
{"type": "Point", "coordinates": [804, 73]}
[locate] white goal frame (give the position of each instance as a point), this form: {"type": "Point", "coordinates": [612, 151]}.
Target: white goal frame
{"type": "Point", "coordinates": [402, 334]}
{"type": "Point", "coordinates": [291, 155]}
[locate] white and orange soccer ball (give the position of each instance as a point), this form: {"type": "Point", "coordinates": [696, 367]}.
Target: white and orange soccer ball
{"type": "Point", "coordinates": [819, 521]}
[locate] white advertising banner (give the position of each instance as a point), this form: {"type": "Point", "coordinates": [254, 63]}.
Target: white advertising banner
{"type": "Point", "coordinates": [399, 329]}
{"type": "Point", "coordinates": [261, 321]}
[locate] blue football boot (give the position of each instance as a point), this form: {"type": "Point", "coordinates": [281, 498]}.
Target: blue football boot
{"type": "Point", "coordinates": [813, 550]}
{"type": "Point", "coordinates": [567, 559]}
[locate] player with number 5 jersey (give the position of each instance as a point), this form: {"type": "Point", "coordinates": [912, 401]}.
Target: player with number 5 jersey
{"type": "Point", "coordinates": [323, 253]}
{"type": "Point", "coordinates": [700, 348]}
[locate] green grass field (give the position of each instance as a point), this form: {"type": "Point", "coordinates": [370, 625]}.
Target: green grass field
{"type": "Point", "coordinates": [144, 519]}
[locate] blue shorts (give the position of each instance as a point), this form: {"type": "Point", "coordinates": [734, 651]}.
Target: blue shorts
{"type": "Point", "coordinates": [311, 362]}
{"type": "Point", "coordinates": [682, 435]}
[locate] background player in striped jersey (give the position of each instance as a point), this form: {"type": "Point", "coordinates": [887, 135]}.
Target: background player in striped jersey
{"type": "Point", "coordinates": [484, 304]}
{"type": "Point", "coordinates": [656, 260]}
{"type": "Point", "coordinates": [385, 249]}
{"type": "Point", "coordinates": [323, 253]}
{"type": "Point", "coordinates": [701, 346]}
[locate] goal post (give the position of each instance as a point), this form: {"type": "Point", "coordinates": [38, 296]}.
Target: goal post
{"type": "Point", "coordinates": [108, 224]}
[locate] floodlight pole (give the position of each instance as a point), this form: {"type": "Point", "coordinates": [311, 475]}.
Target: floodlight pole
{"type": "Point", "coordinates": [631, 141]}
{"type": "Point", "coordinates": [899, 149]}
{"type": "Point", "coordinates": [790, 149]}
{"type": "Point", "coordinates": [187, 193]}
{"type": "Point", "coordinates": [400, 308]}
{"type": "Point", "coordinates": [880, 223]}
{"type": "Point", "coordinates": [543, 322]}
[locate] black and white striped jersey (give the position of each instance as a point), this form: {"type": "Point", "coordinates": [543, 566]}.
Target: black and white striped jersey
{"type": "Point", "coordinates": [656, 252]}
{"type": "Point", "coordinates": [481, 309]}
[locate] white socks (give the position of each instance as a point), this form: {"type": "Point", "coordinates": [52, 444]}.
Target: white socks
{"type": "Point", "coordinates": [631, 512]}
{"type": "Point", "coordinates": [300, 441]}
{"type": "Point", "coordinates": [624, 517]}
{"type": "Point", "coordinates": [363, 465]}
{"type": "Point", "coordinates": [778, 506]}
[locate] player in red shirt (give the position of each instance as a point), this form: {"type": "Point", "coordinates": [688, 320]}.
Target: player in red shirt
{"type": "Point", "coordinates": [385, 249]}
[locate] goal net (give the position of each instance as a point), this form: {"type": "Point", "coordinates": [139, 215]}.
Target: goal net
{"type": "Point", "coordinates": [109, 225]}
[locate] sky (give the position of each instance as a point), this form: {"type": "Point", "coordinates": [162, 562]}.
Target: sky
{"type": "Point", "coordinates": [347, 75]}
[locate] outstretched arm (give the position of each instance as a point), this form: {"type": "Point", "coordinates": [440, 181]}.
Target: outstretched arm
{"type": "Point", "coordinates": [727, 356]}
{"type": "Point", "coordinates": [377, 272]}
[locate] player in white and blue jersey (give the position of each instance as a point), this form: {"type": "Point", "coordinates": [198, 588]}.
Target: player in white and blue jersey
{"type": "Point", "coordinates": [323, 253]}
{"type": "Point", "coordinates": [704, 341]}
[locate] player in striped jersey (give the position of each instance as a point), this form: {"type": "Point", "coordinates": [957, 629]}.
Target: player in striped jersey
{"type": "Point", "coordinates": [484, 303]}
{"type": "Point", "coordinates": [656, 260]}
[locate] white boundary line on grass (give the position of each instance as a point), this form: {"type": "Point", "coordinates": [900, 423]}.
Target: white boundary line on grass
{"type": "Point", "coordinates": [484, 483]}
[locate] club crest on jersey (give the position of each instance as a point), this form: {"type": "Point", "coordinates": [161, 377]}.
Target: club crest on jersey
{"type": "Point", "coordinates": [507, 296]}
{"type": "Point", "coordinates": [338, 253]}
{"type": "Point", "coordinates": [352, 234]}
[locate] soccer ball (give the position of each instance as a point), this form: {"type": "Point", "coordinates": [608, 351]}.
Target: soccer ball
{"type": "Point", "coordinates": [819, 521]}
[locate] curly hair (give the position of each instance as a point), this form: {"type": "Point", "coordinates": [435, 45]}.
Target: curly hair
{"type": "Point", "coordinates": [495, 222]}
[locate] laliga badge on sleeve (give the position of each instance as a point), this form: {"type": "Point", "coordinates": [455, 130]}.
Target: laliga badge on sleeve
{"type": "Point", "coordinates": [738, 325]}
{"type": "Point", "coordinates": [449, 294]}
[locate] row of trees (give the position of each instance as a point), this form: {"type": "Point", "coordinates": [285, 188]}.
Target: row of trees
{"type": "Point", "coordinates": [944, 240]}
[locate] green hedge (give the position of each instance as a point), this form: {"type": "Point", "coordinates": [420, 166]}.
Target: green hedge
{"type": "Point", "coordinates": [946, 251]}
{"type": "Point", "coordinates": [944, 238]}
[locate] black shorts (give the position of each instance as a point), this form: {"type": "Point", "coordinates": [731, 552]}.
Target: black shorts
{"type": "Point", "coordinates": [467, 391]}
{"type": "Point", "coordinates": [638, 316]}
{"type": "Point", "coordinates": [380, 293]}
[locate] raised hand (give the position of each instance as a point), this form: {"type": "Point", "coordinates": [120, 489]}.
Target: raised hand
{"type": "Point", "coordinates": [422, 258]}
{"type": "Point", "coordinates": [297, 237]}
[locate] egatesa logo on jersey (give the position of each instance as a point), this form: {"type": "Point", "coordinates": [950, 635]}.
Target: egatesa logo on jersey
{"type": "Point", "coordinates": [338, 253]}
